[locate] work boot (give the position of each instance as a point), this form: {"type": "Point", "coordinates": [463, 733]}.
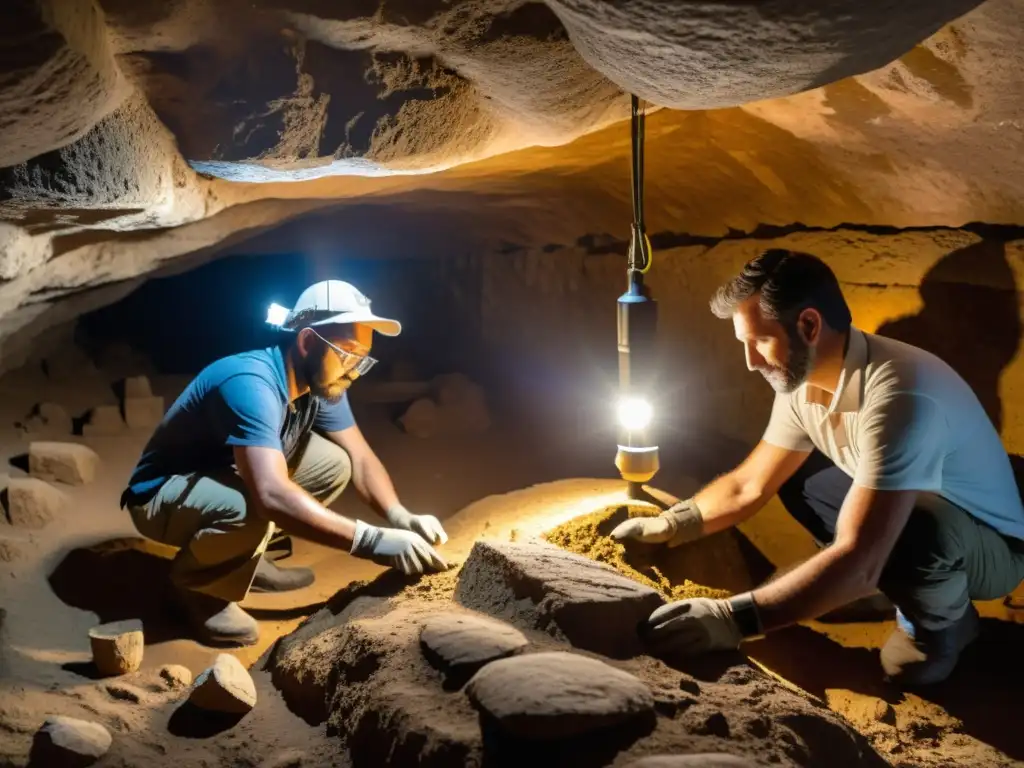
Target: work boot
{"type": "Point", "coordinates": [914, 656]}
{"type": "Point", "coordinates": [218, 622]}
{"type": "Point", "coordinates": [270, 578]}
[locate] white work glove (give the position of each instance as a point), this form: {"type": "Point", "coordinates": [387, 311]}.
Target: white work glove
{"type": "Point", "coordinates": [427, 526]}
{"type": "Point", "coordinates": [679, 524]}
{"type": "Point", "coordinates": [700, 625]}
{"type": "Point", "coordinates": [404, 550]}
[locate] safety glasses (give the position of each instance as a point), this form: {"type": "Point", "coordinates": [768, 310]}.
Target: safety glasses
{"type": "Point", "coordinates": [354, 365]}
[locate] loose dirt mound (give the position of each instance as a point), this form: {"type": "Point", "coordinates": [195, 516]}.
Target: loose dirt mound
{"type": "Point", "coordinates": [359, 666]}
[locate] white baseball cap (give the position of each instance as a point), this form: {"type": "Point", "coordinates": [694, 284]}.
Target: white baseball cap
{"type": "Point", "coordinates": [327, 303]}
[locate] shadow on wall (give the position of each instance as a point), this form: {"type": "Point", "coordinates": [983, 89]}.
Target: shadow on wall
{"type": "Point", "coordinates": [971, 319]}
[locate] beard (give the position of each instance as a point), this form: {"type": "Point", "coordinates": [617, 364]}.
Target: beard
{"type": "Point", "coordinates": [787, 378]}
{"type": "Point", "coordinates": [330, 390]}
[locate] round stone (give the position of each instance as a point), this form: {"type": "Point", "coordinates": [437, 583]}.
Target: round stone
{"type": "Point", "coordinates": [459, 644]}
{"type": "Point", "coordinates": [67, 742]}
{"type": "Point", "coordinates": [557, 695]}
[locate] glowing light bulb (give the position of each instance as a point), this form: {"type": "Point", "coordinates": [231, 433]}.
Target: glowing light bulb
{"type": "Point", "coordinates": [634, 412]}
{"type": "Point", "coordinates": [276, 314]}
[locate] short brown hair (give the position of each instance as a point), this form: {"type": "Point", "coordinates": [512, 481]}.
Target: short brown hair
{"type": "Point", "coordinates": [787, 283]}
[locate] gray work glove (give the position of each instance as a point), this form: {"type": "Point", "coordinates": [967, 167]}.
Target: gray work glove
{"type": "Point", "coordinates": [691, 627]}
{"type": "Point", "coordinates": [404, 550]}
{"type": "Point", "coordinates": [677, 525]}
{"type": "Point", "coordinates": [427, 526]}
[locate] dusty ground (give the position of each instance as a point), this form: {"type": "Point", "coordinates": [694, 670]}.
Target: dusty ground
{"type": "Point", "coordinates": [62, 583]}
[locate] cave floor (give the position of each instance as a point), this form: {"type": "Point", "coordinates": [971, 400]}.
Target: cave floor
{"type": "Point", "coordinates": [86, 568]}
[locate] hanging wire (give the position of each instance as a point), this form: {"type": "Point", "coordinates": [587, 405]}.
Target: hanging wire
{"type": "Point", "coordinates": [640, 257]}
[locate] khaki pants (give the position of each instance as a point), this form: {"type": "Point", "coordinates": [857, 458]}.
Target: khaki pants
{"type": "Point", "coordinates": [219, 538]}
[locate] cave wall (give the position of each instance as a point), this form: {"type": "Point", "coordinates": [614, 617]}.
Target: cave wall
{"type": "Point", "coordinates": [548, 319]}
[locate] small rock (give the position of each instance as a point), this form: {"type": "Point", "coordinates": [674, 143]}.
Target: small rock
{"type": "Point", "coordinates": [459, 644]}
{"type": "Point", "coordinates": [117, 647]}
{"type": "Point", "coordinates": [225, 687]}
{"type": "Point", "coordinates": [558, 695]}
{"type": "Point", "coordinates": [32, 503]}
{"type": "Point", "coordinates": [69, 463]}
{"type": "Point", "coordinates": [66, 742]}
{"type": "Point", "coordinates": [175, 676]}
{"type": "Point", "coordinates": [104, 420]}
{"type": "Point", "coordinates": [123, 692]}
{"type": "Point", "coordinates": [421, 419]}
{"type": "Point", "coordinates": [571, 597]}
{"type": "Point", "coordinates": [137, 386]}
{"type": "Point", "coordinates": [704, 760]}
{"type": "Point", "coordinates": [884, 713]}
{"type": "Point", "coordinates": [143, 412]}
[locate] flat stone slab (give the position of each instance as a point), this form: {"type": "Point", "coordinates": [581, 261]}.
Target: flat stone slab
{"type": "Point", "coordinates": [143, 412]}
{"type": "Point", "coordinates": [460, 644]}
{"type": "Point", "coordinates": [225, 687]}
{"type": "Point", "coordinates": [573, 598]}
{"type": "Point", "coordinates": [61, 462]}
{"type": "Point", "coordinates": [67, 742]}
{"type": "Point", "coordinates": [558, 695]}
{"type": "Point", "coordinates": [137, 386]}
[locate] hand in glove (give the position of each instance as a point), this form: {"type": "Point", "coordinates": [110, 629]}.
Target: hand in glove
{"type": "Point", "coordinates": [404, 550]}
{"type": "Point", "coordinates": [677, 525]}
{"type": "Point", "coordinates": [691, 627]}
{"type": "Point", "coordinates": [427, 526]}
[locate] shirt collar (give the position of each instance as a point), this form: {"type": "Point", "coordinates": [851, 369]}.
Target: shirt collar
{"type": "Point", "coordinates": [849, 392]}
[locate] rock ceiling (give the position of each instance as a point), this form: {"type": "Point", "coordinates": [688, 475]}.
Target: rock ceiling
{"type": "Point", "coordinates": [134, 132]}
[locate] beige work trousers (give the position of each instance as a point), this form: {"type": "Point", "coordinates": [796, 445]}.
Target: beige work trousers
{"type": "Point", "coordinates": [220, 540]}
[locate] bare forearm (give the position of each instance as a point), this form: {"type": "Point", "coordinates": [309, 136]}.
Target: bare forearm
{"type": "Point", "coordinates": [295, 511]}
{"type": "Point", "coordinates": [727, 501]}
{"type": "Point", "coordinates": [373, 483]}
{"type": "Point", "coordinates": [831, 578]}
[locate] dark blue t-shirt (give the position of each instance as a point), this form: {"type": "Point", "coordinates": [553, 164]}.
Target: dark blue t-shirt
{"type": "Point", "coordinates": [237, 400]}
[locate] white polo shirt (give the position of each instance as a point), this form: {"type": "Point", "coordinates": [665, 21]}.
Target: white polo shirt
{"type": "Point", "coordinates": [902, 419]}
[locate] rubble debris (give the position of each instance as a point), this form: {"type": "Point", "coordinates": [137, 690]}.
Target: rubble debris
{"type": "Point", "coordinates": [104, 420]}
{"type": "Point", "coordinates": [67, 742]}
{"type": "Point", "coordinates": [117, 647]}
{"type": "Point", "coordinates": [225, 687]}
{"type": "Point", "coordinates": [460, 643]}
{"type": "Point", "coordinates": [143, 412]}
{"type": "Point", "coordinates": [558, 695]}
{"type": "Point", "coordinates": [540, 586]}
{"type": "Point", "coordinates": [137, 387]}
{"type": "Point", "coordinates": [33, 503]}
{"type": "Point", "coordinates": [175, 676]}
{"type": "Point", "coordinates": [69, 463]}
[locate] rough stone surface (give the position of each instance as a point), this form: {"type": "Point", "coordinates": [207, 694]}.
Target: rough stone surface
{"type": "Point", "coordinates": [175, 676]}
{"type": "Point", "coordinates": [137, 387]}
{"type": "Point", "coordinates": [117, 647]}
{"type": "Point", "coordinates": [558, 695]}
{"type": "Point", "coordinates": [705, 760]}
{"type": "Point", "coordinates": [124, 692]}
{"type": "Point", "coordinates": [143, 412]}
{"type": "Point", "coordinates": [105, 129]}
{"type": "Point", "coordinates": [67, 742]}
{"type": "Point", "coordinates": [459, 644]}
{"type": "Point", "coordinates": [225, 687]}
{"type": "Point", "coordinates": [104, 420]}
{"type": "Point", "coordinates": [10, 549]}
{"type": "Point", "coordinates": [539, 586]}
{"type": "Point", "coordinates": [69, 463]}
{"type": "Point", "coordinates": [33, 503]}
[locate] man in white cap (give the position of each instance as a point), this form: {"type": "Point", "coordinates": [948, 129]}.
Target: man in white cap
{"type": "Point", "coordinates": [267, 439]}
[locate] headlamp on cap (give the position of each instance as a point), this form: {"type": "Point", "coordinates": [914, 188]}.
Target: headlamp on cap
{"type": "Point", "coordinates": [276, 315]}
